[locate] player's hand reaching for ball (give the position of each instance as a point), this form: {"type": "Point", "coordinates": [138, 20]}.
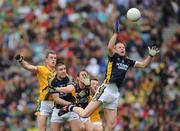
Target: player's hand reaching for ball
{"type": "Point", "coordinates": [117, 26]}
{"type": "Point", "coordinates": [19, 58]}
{"type": "Point", "coordinates": [153, 51]}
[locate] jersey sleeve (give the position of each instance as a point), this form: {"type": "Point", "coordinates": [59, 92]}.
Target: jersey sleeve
{"type": "Point", "coordinates": [40, 69]}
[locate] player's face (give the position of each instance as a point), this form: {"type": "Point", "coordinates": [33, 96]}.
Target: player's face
{"type": "Point", "coordinates": [61, 71]}
{"type": "Point", "coordinates": [51, 60]}
{"type": "Point", "coordinates": [94, 84]}
{"type": "Point", "coordinates": [120, 49]}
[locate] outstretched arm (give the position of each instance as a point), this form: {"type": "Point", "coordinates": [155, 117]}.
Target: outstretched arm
{"type": "Point", "coordinates": [112, 41]}
{"type": "Point", "coordinates": [25, 64]}
{"type": "Point", "coordinates": [67, 89]}
{"type": "Point", "coordinates": [91, 107]}
{"type": "Point", "coordinates": [59, 100]}
{"type": "Point", "coordinates": [152, 52]}
{"type": "Point", "coordinates": [144, 63]}
{"type": "Point", "coordinates": [111, 44]}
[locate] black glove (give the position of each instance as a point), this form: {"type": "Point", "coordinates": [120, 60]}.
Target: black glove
{"type": "Point", "coordinates": [65, 109]}
{"type": "Point", "coordinates": [116, 26]}
{"type": "Point", "coordinates": [19, 58]}
{"type": "Point", "coordinates": [62, 111]}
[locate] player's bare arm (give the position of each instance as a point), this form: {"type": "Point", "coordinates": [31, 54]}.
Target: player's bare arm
{"type": "Point", "coordinates": [152, 52]}
{"type": "Point", "coordinates": [111, 44]}
{"type": "Point", "coordinates": [25, 64]}
{"type": "Point", "coordinates": [144, 63]}
{"type": "Point", "coordinates": [59, 100]}
{"type": "Point", "coordinates": [66, 89]}
{"type": "Point", "coordinates": [112, 41]}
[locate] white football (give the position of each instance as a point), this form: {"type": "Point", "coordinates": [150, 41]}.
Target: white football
{"type": "Point", "coordinates": [133, 14]}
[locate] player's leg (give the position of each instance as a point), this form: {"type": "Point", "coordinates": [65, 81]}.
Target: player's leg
{"type": "Point", "coordinates": [41, 121]}
{"type": "Point", "coordinates": [76, 125]}
{"type": "Point", "coordinates": [110, 117]}
{"type": "Point", "coordinates": [55, 120]}
{"type": "Point", "coordinates": [111, 98]}
{"type": "Point", "coordinates": [45, 111]}
{"type": "Point", "coordinates": [106, 93]}
{"type": "Point", "coordinates": [92, 106]}
{"type": "Point", "coordinates": [55, 126]}
{"type": "Point", "coordinates": [110, 113]}
{"type": "Point", "coordinates": [74, 121]}
{"type": "Point", "coordinates": [88, 125]}
{"type": "Point", "coordinates": [97, 126]}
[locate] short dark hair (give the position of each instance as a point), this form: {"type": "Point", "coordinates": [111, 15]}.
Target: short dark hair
{"type": "Point", "coordinates": [94, 79]}
{"type": "Point", "coordinates": [60, 63]}
{"type": "Point", "coordinates": [50, 52]}
{"type": "Point", "coordinates": [82, 71]}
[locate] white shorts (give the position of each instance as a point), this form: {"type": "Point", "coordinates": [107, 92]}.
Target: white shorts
{"type": "Point", "coordinates": [84, 120]}
{"type": "Point", "coordinates": [46, 107]}
{"type": "Point", "coordinates": [66, 117]}
{"type": "Point", "coordinates": [108, 94]}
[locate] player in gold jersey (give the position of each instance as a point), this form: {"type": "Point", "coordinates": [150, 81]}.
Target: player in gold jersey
{"type": "Point", "coordinates": [95, 116]}
{"type": "Point", "coordinates": [43, 73]}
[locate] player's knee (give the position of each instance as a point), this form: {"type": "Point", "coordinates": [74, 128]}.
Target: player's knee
{"type": "Point", "coordinates": [98, 128]}
{"type": "Point", "coordinates": [111, 125]}
{"type": "Point", "coordinates": [43, 126]}
{"type": "Point", "coordinates": [82, 127]}
{"type": "Point", "coordinates": [42, 123]}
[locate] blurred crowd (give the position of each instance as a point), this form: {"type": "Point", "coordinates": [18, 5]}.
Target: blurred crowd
{"type": "Point", "coordinates": [79, 31]}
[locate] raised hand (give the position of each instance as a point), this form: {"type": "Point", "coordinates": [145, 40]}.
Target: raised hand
{"type": "Point", "coordinates": [117, 26]}
{"type": "Point", "coordinates": [19, 58]}
{"type": "Point", "coordinates": [86, 80]}
{"type": "Point", "coordinates": [153, 51]}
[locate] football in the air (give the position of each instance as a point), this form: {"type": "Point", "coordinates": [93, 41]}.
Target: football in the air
{"type": "Point", "coordinates": [133, 14]}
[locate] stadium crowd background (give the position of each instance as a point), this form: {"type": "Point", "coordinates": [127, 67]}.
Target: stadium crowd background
{"type": "Point", "coordinates": [79, 31]}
